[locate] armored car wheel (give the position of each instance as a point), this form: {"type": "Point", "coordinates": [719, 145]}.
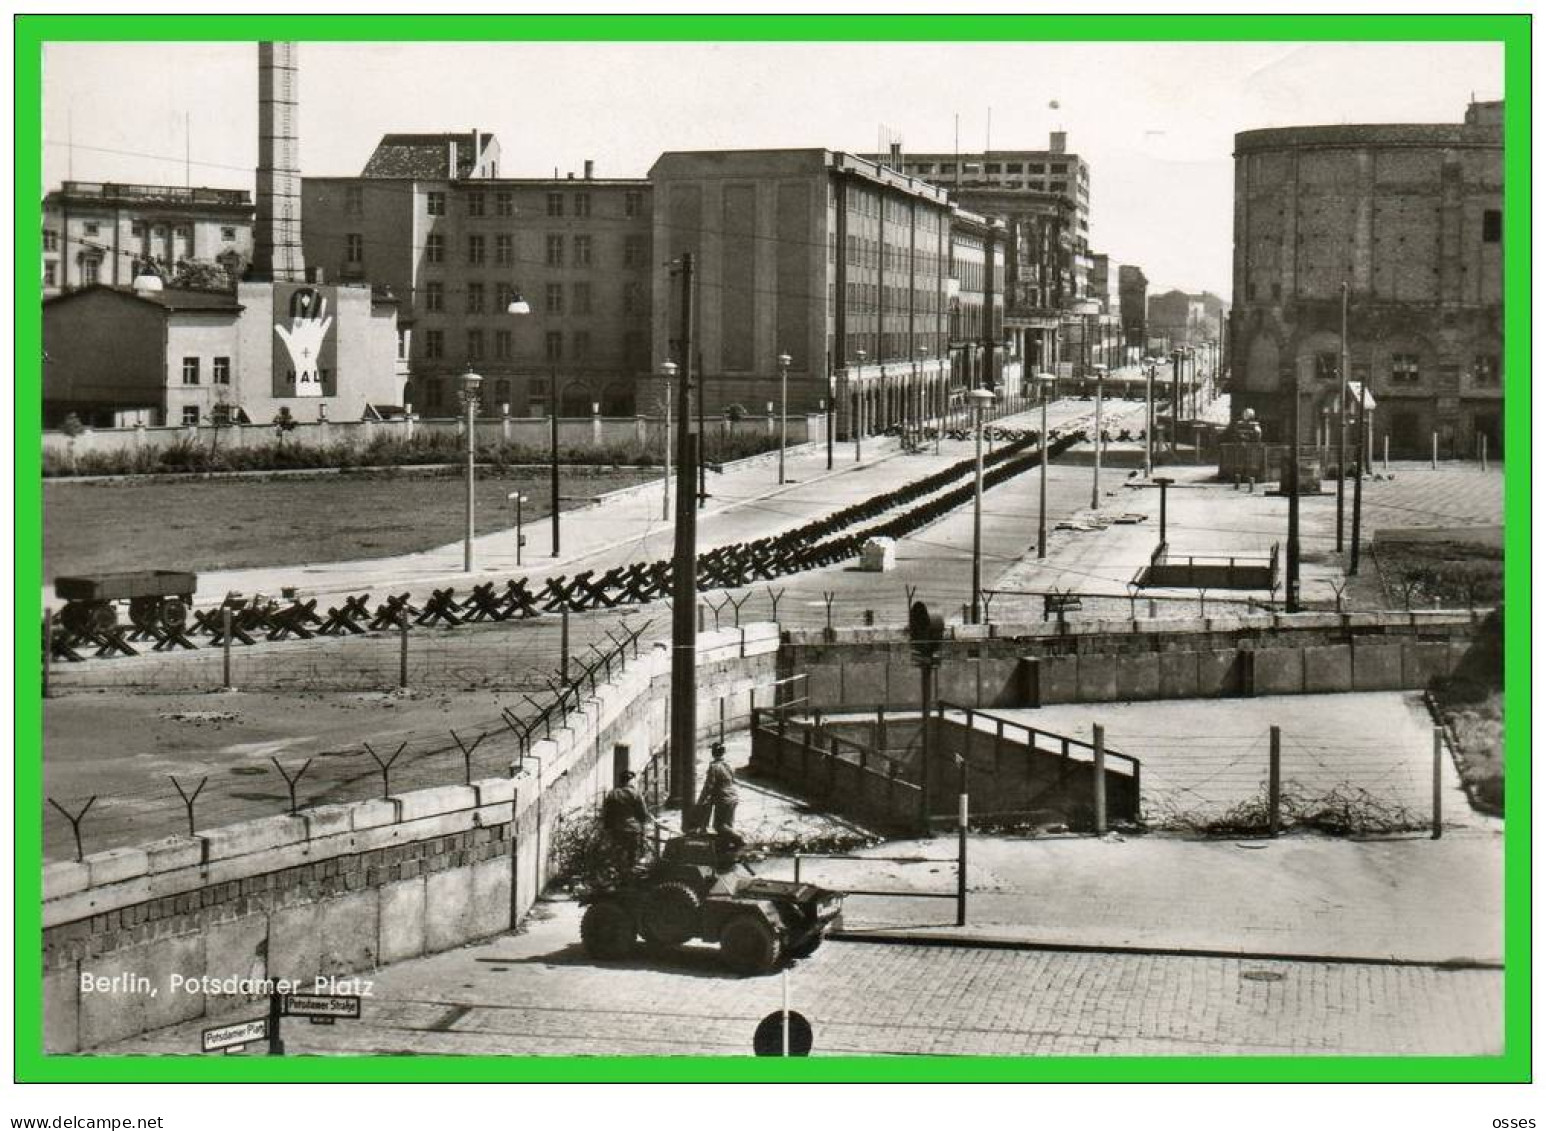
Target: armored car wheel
{"type": "Point", "coordinates": [750, 945]}
{"type": "Point", "coordinates": [606, 930]}
{"type": "Point", "coordinates": [670, 915]}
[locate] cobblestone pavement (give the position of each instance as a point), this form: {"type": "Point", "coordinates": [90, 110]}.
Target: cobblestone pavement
{"type": "Point", "coordinates": [537, 994]}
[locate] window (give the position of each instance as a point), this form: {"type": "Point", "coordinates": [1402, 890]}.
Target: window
{"type": "Point", "coordinates": [91, 266]}
{"type": "Point", "coordinates": [50, 274]}
{"type": "Point", "coordinates": [1015, 167]}
{"type": "Point", "coordinates": [582, 204]}
{"type": "Point", "coordinates": [434, 296]}
{"type": "Point", "coordinates": [434, 248]}
{"type": "Point", "coordinates": [555, 345]}
{"type": "Point", "coordinates": [1036, 170]}
{"type": "Point", "coordinates": [504, 250]}
{"type": "Point", "coordinates": [633, 298]}
{"type": "Point", "coordinates": [183, 231]}
{"type": "Point", "coordinates": [354, 200]}
{"type": "Point", "coordinates": [993, 168]}
{"type": "Point", "coordinates": [190, 371]}
{"type": "Point", "coordinates": [354, 248]}
{"type": "Point", "coordinates": [474, 345]}
{"type": "Point", "coordinates": [581, 298]}
{"type": "Point", "coordinates": [159, 231]}
{"type": "Point", "coordinates": [1326, 366]}
{"type": "Point", "coordinates": [555, 204]}
{"type": "Point", "coordinates": [502, 391]}
{"type": "Point", "coordinates": [51, 238]}
{"type": "Point", "coordinates": [504, 204]}
{"type": "Point", "coordinates": [635, 249]}
{"type": "Point", "coordinates": [1060, 167]}
{"type": "Point", "coordinates": [633, 203]}
{"type": "Point", "coordinates": [581, 344]}
{"type": "Point", "coordinates": [1403, 369]}
{"type": "Point", "coordinates": [434, 344]}
{"type": "Point", "coordinates": [475, 249]}
{"type": "Point", "coordinates": [222, 374]}
{"type": "Point", "coordinates": [1492, 226]}
{"type": "Point", "coordinates": [93, 229]}
{"type": "Point", "coordinates": [503, 348]}
{"type": "Point", "coordinates": [474, 298]}
{"type": "Point", "coordinates": [1484, 370]}
{"type": "Point", "coordinates": [190, 414]}
{"type": "Point", "coordinates": [435, 203]}
{"type": "Point", "coordinates": [555, 251]}
{"type": "Point", "coordinates": [476, 204]}
{"type": "Point", "coordinates": [582, 251]}
{"type": "Point", "coordinates": [227, 235]}
{"type": "Point", "coordinates": [555, 298]}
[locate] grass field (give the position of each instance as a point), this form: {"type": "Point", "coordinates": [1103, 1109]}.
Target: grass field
{"type": "Point", "coordinates": [208, 524]}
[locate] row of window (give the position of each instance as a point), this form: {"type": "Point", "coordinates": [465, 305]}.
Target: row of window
{"type": "Point", "coordinates": [579, 347]}
{"type": "Point", "coordinates": [1406, 369]}
{"type": "Point", "coordinates": [578, 204]}
{"type": "Point", "coordinates": [561, 251]}
{"type": "Point", "coordinates": [138, 230]}
{"type": "Point", "coordinates": [220, 373]}
{"type": "Point", "coordinates": [579, 296]}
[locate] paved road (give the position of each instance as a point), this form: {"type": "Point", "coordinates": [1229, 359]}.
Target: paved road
{"type": "Point", "coordinates": [536, 994]}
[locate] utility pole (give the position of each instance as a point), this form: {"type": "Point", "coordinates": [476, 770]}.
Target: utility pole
{"type": "Point", "coordinates": [1342, 423]}
{"type": "Point", "coordinates": [1291, 485]}
{"type": "Point", "coordinates": [556, 403]}
{"type": "Point", "coordinates": [1041, 508]}
{"type": "Point", "coordinates": [1148, 422]}
{"type": "Point", "coordinates": [1352, 565]}
{"type": "Point", "coordinates": [1095, 481]}
{"type": "Point", "coordinates": [684, 575]}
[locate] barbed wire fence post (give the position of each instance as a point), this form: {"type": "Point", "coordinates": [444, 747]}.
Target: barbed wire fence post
{"type": "Point", "coordinates": [75, 820]}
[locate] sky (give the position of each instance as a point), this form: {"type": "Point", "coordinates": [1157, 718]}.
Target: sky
{"type": "Point", "coordinates": [1155, 121]}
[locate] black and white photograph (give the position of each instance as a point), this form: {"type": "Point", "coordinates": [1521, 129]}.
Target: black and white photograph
{"type": "Point", "coordinates": [772, 549]}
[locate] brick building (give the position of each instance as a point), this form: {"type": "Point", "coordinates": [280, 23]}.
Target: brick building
{"type": "Point", "coordinates": [103, 232]}
{"type": "Point", "coordinates": [1409, 218]}
{"type": "Point", "coordinates": [430, 217]}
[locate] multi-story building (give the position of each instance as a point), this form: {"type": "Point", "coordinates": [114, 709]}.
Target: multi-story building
{"type": "Point", "coordinates": [840, 263]}
{"type": "Point", "coordinates": [978, 357]}
{"type": "Point", "coordinates": [1408, 218]}
{"type": "Point", "coordinates": [1178, 319]}
{"type": "Point", "coordinates": [1043, 196]}
{"type": "Point", "coordinates": [1133, 299]}
{"type": "Point", "coordinates": [430, 217]}
{"type": "Point", "coordinates": [101, 232]}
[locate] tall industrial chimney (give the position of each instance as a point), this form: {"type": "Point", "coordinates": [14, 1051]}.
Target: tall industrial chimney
{"type": "Point", "coordinates": [276, 243]}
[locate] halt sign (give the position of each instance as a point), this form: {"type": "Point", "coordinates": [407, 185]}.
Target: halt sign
{"type": "Point", "coordinates": [237, 1035]}
{"type": "Point", "coordinates": [330, 1006]}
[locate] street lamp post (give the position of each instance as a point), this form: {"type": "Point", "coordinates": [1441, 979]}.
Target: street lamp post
{"type": "Point", "coordinates": [1095, 480]}
{"type": "Point", "coordinates": [668, 371]}
{"type": "Point", "coordinates": [981, 400]}
{"type": "Point", "coordinates": [520, 538]}
{"type": "Point", "coordinates": [1148, 420]}
{"type": "Point", "coordinates": [858, 421]}
{"type": "Point", "coordinates": [471, 382]}
{"type": "Point", "coordinates": [1041, 504]}
{"type": "Point", "coordinates": [783, 412]}
{"type": "Point", "coordinates": [831, 407]}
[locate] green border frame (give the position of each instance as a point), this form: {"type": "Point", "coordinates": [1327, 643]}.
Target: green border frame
{"type": "Point", "coordinates": [1512, 32]}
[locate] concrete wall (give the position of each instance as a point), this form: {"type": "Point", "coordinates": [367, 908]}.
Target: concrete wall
{"type": "Point", "coordinates": [1106, 661]}
{"type": "Point", "coordinates": [343, 888]}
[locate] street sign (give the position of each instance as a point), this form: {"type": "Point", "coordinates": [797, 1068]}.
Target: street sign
{"type": "Point", "coordinates": [768, 1040]}
{"type": "Point", "coordinates": [322, 1005]}
{"type": "Point", "coordinates": [234, 1036]}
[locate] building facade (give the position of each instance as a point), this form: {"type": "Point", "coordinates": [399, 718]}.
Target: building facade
{"type": "Point", "coordinates": [1178, 319]}
{"type": "Point", "coordinates": [1133, 300]}
{"type": "Point", "coordinates": [430, 218]}
{"type": "Point", "coordinates": [1409, 219]}
{"type": "Point", "coordinates": [838, 262]}
{"type": "Point", "coordinates": [104, 233]}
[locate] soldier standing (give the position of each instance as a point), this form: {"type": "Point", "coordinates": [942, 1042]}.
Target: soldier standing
{"type": "Point", "coordinates": [720, 795]}
{"type": "Point", "coordinates": [623, 817]}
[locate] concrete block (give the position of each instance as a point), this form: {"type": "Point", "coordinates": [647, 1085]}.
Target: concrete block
{"type": "Point", "coordinates": [401, 913]}
{"type": "Point", "coordinates": [1376, 667]}
{"type": "Point", "coordinates": [448, 910]}
{"type": "Point", "coordinates": [1097, 679]}
{"type": "Point", "coordinates": [349, 929]}
{"type": "Point", "coordinates": [499, 813]}
{"type": "Point", "coordinates": [247, 837]}
{"type": "Point", "coordinates": [1375, 620]}
{"type": "Point", "coordinates": [1137, 677]}
{"type": "Point", "coordinates": [237, 948]}
{"type": "Point", "coordinates": [490, 912]}
{"type": "Point", "coordinates": [954, 682]}
{"type": "Point", "coordinates": [1220, 672]}
{"type": "Point", "coordinates": [173, 853]}
{"type": "Point", "coordinates": [1328, 668]}
{"type": "Point", "coordinates": [116, 865]}
{"type": "Point", "coordinates": [1059, 679]}
{"type": "Point", "coordinates": [1178, 677]}
{"type": "Point", "coordinates": [999, 680]}
{"type": "Point", "coordinates": [372, 814]}
{"type": "Point", "coordinates": [328, 820]}
{"type": "Point", "coordinates": [144, 998]}
{"type": "Point", "coordinates": [491, 791]}
{"type": "Point", "coordinates": [1277, 671]}
{"type": "Point", "coordinates": [61, 1010]}
{"type": "Point", "coordinates": [1315, 620]}
{"type": "Point", "coordinates": [295, 941]}
{"type": "Point", "coordinates": [65, 877]}
{"type": "Point", "coordinates": [861, 684]}
{"type": "Point", "coordinates": [1422, 663]}
{"type": "Point", "coordinates": [434, 802]}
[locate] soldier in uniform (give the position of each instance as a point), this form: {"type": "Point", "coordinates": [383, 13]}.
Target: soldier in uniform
{"type": "Point", "coordinates": [719, 796]}
{"type": "Point", "coordinates": [623, 817]}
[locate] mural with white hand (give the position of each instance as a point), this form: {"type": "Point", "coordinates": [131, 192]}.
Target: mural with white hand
{"type": "Point", "coordinates": [309, 370]}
